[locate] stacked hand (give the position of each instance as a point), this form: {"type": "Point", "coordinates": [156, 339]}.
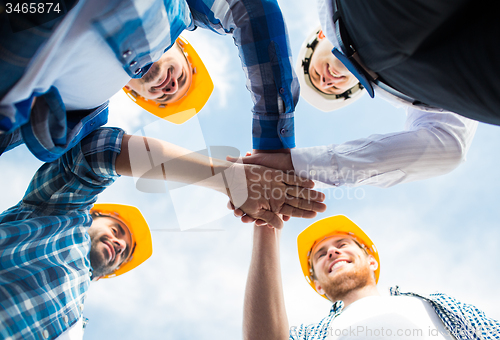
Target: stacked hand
{"type": "Point", "coordinates": [273, 195]}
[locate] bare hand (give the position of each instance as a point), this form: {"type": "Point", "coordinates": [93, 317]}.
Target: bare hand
{"type": "Point", "coordinates": [272, 192]}
{"type": "Point", "coordinates": [280, 161]}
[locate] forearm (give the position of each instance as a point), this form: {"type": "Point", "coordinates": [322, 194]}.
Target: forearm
{"type": "Point", "coordinates": [433, 145]}
{"type": "Point", "coordinates": [151, 158]}
{"type": "Point", "coordinates": [264, 314]}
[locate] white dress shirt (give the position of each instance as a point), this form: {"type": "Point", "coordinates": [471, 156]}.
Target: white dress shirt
{"type": "Point", "coordinates": [433, 143]}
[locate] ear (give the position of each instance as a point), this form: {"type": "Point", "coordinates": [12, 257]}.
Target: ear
{"type": "Point", "coordinates": [319, 289]}
{"type": "Point", "coordinates": [373, 263]}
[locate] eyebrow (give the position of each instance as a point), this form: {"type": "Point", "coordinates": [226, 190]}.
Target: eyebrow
{"type": "Point", "coordinates": [323, 247]}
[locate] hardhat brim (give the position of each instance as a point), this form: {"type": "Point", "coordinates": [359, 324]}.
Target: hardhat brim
{"type": "Point", "coordinates": [192, 102]}
{"type": "Point", "coordinates": [139, 229]}
{"type": "Point", "coordinates": [320, 100]}
{"type": "Point", "coordinates": [331, 226]}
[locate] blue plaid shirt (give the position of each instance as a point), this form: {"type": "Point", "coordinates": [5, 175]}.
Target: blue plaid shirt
{"type": "Point", "coordinates": [44, 266]}
{"type": "Point", "coordinates": [139, 37]}
{"type": "Point", "coordinates": [463, 321]}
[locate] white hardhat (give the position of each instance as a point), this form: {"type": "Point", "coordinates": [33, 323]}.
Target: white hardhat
{"type": "Point", "coordinates": [315, 97]}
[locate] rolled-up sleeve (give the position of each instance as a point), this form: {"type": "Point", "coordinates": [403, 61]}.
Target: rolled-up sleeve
{"type": "Point", "coordinates": [260, 34]}
{"type": "Point", "coordinates": [74, 180]}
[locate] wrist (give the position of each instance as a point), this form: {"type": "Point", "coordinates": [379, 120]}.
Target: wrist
{"type": "Point", "coordinates": [230, 179]}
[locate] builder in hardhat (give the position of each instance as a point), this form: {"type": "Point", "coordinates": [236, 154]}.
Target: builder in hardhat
{"type": "Point", "coordinates": [341, 263]}
{"type": "Point", "coordinates": [433, 142]}
{"type": "Point", "coordinates": [120, 240]}
{"type": "Point", "coordinates": [68, 74]}
{"type": "Point", "coordinates": [55, 241]}
{"type": "Point", "coordinates": [176, 87]}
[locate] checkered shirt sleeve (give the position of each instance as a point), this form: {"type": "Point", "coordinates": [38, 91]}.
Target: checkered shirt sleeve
{"type": "Point", "coordinates": [259, 32]}
{"type": "Point", "coordinates": [463, 321]}
{"type": "Point", "coordinates": [44, 245]}
{"type": "Point", "coordinates": [317, 331]}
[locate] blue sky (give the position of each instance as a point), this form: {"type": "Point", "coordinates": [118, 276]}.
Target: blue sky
{"type": "Point", "coordinates": [439, 234]}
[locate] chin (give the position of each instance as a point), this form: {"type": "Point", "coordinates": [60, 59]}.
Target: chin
{"type": "Point", "coordinates": [340, 285]}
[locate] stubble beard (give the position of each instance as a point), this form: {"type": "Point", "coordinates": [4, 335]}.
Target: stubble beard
{"type": "Point", "coordinates": [152, 73]}
{"type": "Point", "coordinates": [341, 285]}
{"type": "Point", "coordinates": [97, 261]}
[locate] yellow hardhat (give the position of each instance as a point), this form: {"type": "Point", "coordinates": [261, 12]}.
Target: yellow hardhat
{"type": "Point", "coordinates": [192, 102]}
{"type": "Point", "coordinates": [142, 245]}
{"type": "Point", "coordinates": [331, 226]}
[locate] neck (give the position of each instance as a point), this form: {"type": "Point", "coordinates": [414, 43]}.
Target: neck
{"type": "Point", "coordinates": [356, 294]}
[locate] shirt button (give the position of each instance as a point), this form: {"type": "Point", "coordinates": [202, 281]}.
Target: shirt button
{"type": "Point", "coordinates": [132, 64]}
{"type": "Point", "coordinates": [45, 334]}
{"type": "Point", "coordinates": [282, 131]}
{"type": "Point", "coordinates": [66, 319]}
{"type": "Point", "coordinates": [127, 53]}
{"type": "Point", "coordinates": [138, 71]}
{"type": "Point", "coordinates": [282, 90]}
{"type": "Point", "coordinates": [312, 172]}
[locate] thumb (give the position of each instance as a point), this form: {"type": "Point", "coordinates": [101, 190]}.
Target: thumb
{"type": "Point", "coordinates": [245, 160]}
{"type": "Point", "coordinates": [232, 159]}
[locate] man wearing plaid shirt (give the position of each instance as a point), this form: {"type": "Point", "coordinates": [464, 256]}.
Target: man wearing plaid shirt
{"type": "Point", "coordinates": [341, 263]}
{"type": "Point", "coordinates": [98, 46]}
{"type": "Point", "coordinates": [52, 244]}
{"type": "Point", "coordinates": [51, 248]}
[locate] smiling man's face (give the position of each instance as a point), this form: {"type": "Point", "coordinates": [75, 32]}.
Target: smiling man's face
{"type": "Point", "coordinates": [111, 245]}
{"type": "Point", "coordinates": [341, 266]}
{"type": "Point", "coordinates": [327, 73]}
{"type": "Point", "coordinates": [168, 79]}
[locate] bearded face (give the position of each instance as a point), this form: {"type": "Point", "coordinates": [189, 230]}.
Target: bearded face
{"type": "Point", "coordinates": [341, 266]}
{"type": "Point", "coordinates": [110, 245]}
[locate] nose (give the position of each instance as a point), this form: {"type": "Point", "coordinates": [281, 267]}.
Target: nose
{"type": "Point", "coordinates": [120, 245]}
{"type": "Point", "coordinates": [327, 80]}
{"type": "Point", "coordinates": [333, 251]}
{"type": "Point", "coordinates": [171, 87]}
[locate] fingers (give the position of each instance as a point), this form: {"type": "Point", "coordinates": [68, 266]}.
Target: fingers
{"type": "Point", "coordinates": [291, 211]}
{"type": "Point", "coordinates": [248, 219]}
{"type": "Point", "coordinates": [260, 223]}
{"type": "Point", "coordinates": [298, 181]}
{"type": "Point", "coordinates": [306, 194]}
{"type": "Point", "coordinates": [305, 205]}
{"type": "Point", "coordinates": [237, 212]}
{"type": "Point", "coordinates": [248, 159]}
{"type": "Point", "coordinates": [272, 219]}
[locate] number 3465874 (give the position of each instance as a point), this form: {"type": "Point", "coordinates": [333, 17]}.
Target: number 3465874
{"type": "Point", "coordinates": [32, 7]}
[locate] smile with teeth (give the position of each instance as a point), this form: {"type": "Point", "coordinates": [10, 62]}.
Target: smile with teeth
{"type": "Point", "coordinates": [338, 264]}
{"type": "Point", "coordinates": [333, 74]}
